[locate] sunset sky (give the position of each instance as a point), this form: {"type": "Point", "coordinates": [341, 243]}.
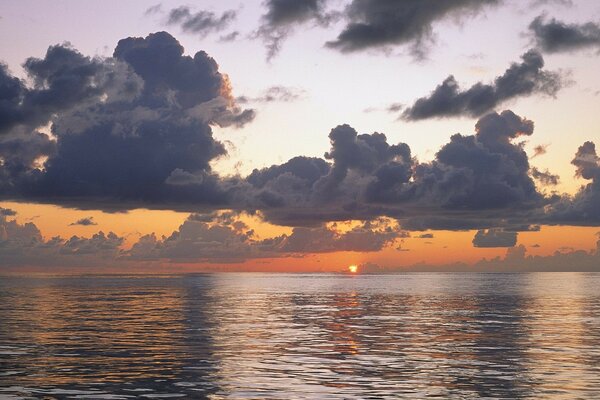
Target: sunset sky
{"type": "Point", "coordinates": [299, 135]}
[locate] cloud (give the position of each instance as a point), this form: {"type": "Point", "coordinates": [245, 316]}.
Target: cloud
{"type": "Point", "coordinates": [284, 16]}
{"type": "Point", "coordinates": [377, 24]}
{"type": "Point", "coordinates": [7, 212]}
{"type": "Point", "coordinates": [584, 207]}
{"type": "Point", "coordinates": [200, 22]}
{"type": "Point", "coordinates": [555, 36]}
{"type": "Point", "coordinates": [475, 181]}
{"type": "Point", "coordinates": [89, 221]}
{"type": "Point", "coordinates": [519, 80]}
{"type": "Point", "coordinates": [280, 94]}
{"type": "Point", "coordinates": [22, 245]}
{"type": "Point", "coordinates": [225, 239]}
{"type": "Point", "coordinates": [425, 236]}
{"type": "Point", "coordinates": [545, 177]}
{"type": "Point", "coordinates": [494, 238]}
{"type": "Point", "coordinates": [540, 150]}
{"type": "Point", "coordinates": [125, 129]}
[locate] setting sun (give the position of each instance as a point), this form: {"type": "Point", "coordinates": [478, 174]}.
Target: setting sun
{"type": "Point", "coordinates": [353, 269]}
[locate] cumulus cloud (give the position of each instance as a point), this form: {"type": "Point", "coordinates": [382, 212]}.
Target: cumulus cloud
{"type": "Point", "coordinates": [555, 36]}
{"type": "Point", "coordinates": [495, 238]}
{"type": "Point", "coordinates": [376, 24]}
{"type": "Point", "coordinates": [584, 207]}
{"type": "Point", "coordinates": [221, 238]}
{"type": "Point", "coordinates": [125, 129]}
{"type": "Point", "coordinates": [88, 221]}
{"type": "Point", "coordinates": [200, 22]}
{"type": "Point", "coordinates": [22, 245]}
{"type": "Point", "coordinates": [519, 80]}
{"type": "Point", "coordinates": [284, 16]}
{"type": "Point", "coordinates": [474, 182]}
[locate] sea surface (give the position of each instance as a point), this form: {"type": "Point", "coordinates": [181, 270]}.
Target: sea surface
{"type": "Point", "coordinates": [288, 336]}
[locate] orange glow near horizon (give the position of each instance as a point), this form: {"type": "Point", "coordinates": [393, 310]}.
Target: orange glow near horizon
{"type": "Point", "coordinates": [353, 269]}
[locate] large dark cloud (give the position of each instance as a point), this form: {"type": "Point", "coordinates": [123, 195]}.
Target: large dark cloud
{"type": "Point", "coordinates": [376, 24]}
{"type": "Point", "coordinates": [555, 36]}
{"type": "Point", "coordinates": [129, 129]}
{"type": "Point", "coordinates": [284, 16]}
{"type": "Point", "coordinates": [519, 80]}
{"type": "Point", "coordinates": [474, 181]}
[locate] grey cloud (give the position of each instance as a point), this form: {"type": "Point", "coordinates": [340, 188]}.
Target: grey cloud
{"type": "Point", "coordinates": [495, 238]}
{"type": "Point", "coordinates": [471, 183]}
{"type": "Point", "coordinates": [519, 80]}
{"type": "Point", "coordinates": [7, 212]}
{"type": "Point", "coordinates": [375, 24]}
{"type": "Point", "coordinates": [584, 207]}
{"type": "Point", "coordinates": [89, 221]}
{"type": "Point", "coordinates": [425, 236]}
{"type": "Point", "coordinates": [23, 245]}
{"type": "Point", "coordinates": [156, 104]}
{"type": "Point", "coordinates": [200, 22]}
{"type": "Point", "coordinates": [281, 94]}
{"type": "Point", "coordinates": [223, 238]}
{"type": "Point", "coordinates": [284, 16]}
{"type": "Point", "coordinates": [540, 150]}
{"type": "Point", "coordinates": [555, 36]}
{"type": "Point", "coordinates": [545, 177]}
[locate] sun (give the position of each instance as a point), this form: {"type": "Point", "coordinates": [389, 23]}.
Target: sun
{"type": "Point", "coordinates": [353, 269]}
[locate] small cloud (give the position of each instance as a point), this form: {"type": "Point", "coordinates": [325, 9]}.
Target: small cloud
{"type": "Point", "coordinates": [89, 221]}
{"type": "Point", "coordinates": [426, 236]}
{"type": "Point", "coordinates": [7, 212]}
{"type": "Point", "coordinates": [540, 150]}
{"type": "Point", "coordinates": [280, 94]}
{"type": "Point", "coordinates": [494, 238]}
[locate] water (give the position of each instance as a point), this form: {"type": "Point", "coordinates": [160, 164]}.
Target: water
{"type": "Point", "coordinates": [255, 336]}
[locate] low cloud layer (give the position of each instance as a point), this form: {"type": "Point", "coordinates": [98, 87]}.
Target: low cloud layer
{"type": "Point", "coordinates": [554, 36]}
{"type": "Point", "coordinates": [520, 80]}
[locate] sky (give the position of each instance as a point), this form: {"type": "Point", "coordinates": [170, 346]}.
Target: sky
{"type": "Point", "coordinates": [299, 135]}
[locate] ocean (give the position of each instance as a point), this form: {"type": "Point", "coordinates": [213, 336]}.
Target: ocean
{"type": "Point", "coordinates": [296, 336]}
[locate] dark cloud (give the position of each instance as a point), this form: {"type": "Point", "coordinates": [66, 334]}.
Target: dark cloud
{"type": "Point", "coordinates": [472, 183]}
{"type": "Point", "coordinates": [279, 94]}
{"type": "Point", "coordinates": [584, 207]}
{"type": "Point", "coordinates": [89, 221]}
{"type": "Point", "coordinates": [495, 238]}
{"type": "Point", "coordinates": [367, 237]}
{"type": "Point", "coordinates": [540, 150]}
{"type": "Point", "coordinates": [375, 24]}
{"type": "Point", "coordinates": [134, 128]}
{"type": "Point", "coordinates": [545, 177]}
{"type": "Point", "coordinates": [519, 80]}
{"type": "Point", "coordinates": [284, 16]}
{"type": "Point", "coordinates": [7, 212]}
{"type": "Point", "coordinates": [200, 22]}
{"type": "Point", "coordinates": [23, 245]}
{"type": "Point", "coordinates": [425, 236]}
{"type": "Point", "coordinates": [224, 238]}
{"type": "Point", "coordinates": [555, 36]}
